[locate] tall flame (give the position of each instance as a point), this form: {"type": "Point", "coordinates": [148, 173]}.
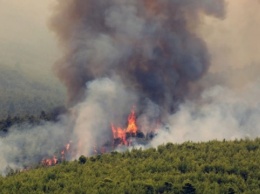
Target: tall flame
{"type": "Point", "coordinates": [132, 127]}
{"type": "Point", "coordinates": [120, 133]}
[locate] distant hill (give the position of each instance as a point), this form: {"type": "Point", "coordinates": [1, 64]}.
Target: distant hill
{"type": "Point", "coordinates": [22, 94]}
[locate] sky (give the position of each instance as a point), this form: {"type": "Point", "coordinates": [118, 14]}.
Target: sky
{"type": "Point", "coordinates": [25, 40]}
{"type": "Point", "coordinates": [233, 43]}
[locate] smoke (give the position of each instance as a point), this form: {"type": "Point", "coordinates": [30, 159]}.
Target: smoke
{"type": "Point", "coordinates": [151, 45]}
{"type": "Point", "coordinates": [106, 101]}
{"type": "Point", "coordinates": [228, 106]}
{"type": "Point", "coordinates": [25, 146]}
{"type": "Point", "coordinates": [121, 53]}
{"type": "Point", "coordinates": [222, 113]}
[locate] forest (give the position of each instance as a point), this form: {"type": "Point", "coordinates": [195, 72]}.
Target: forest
{"type": "Point", "coordinates": [225, 167]}
{"type": "Point", "coordinates": [22, 94]}
{"type": "Point", "coordinates": [52, 115]}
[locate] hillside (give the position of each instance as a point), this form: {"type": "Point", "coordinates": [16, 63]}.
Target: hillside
{"type": "Point", "coordinates": [21, 94]}
{"type": "Point", "coordinates": [212, 167]}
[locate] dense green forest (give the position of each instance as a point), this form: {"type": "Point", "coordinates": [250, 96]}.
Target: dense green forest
{"type": "Point", "coordinates": [22, 94]}
{"type": "Point", "coordinates": [211, 167]}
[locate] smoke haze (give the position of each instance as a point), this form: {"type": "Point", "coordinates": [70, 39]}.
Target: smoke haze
{"type": "Point", "coordinates": [24, 38]}
{"type": "Point", "coordinates": [26, 146]}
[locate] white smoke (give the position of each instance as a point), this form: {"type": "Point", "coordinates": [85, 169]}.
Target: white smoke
{"type": "Point", "coordinates": [107, 100]}
{"type": "Point", "coordinates": [221, 114]}
{"type": "Point", "coordinates": [26, 145]}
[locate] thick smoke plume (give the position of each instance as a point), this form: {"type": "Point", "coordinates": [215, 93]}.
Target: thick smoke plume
{"type": "Point", "coordinates": [150, 44]}
{"type": "Point", "coordinates": [121, 53]}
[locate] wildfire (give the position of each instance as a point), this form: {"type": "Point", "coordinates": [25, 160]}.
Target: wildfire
{"type": "Point", "coordinates": [50, 161]}
{"type": "Point", "coordinates": [54, 160]}
{"type": "Point", "coordinates": [121, 134]}
{"type": "Point", "coordinates": [132, 128]}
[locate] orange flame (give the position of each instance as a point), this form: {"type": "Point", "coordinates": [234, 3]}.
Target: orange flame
{"type": "Point", "coordinates": [120, 133]}
{"type": "Point", "coordinates": [54, 160]}
{"type": "Point", "coordinates": [132, 127]}
{"type": "Point", "coordinates": [50, 161]}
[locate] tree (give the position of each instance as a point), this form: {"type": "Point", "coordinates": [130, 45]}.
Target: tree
{"type": "Point", "coordinates": [188, 189]}
{"type": "Point", "coordinates": [231, 191]}
{"type": "Point", "coordinates": [82, 159]}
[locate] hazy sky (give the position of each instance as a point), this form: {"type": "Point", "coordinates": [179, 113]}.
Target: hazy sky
{"type": "Point", "coordinates": [234, 42]}
{"type": "Point", "coordinates": [25, 40]}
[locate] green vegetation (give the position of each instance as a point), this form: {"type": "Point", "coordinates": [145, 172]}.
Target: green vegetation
{"type": "Point", "coordinates": [214, 167]}
{"type": "Point", "coordinates": [9, 121]}
{"type": "Point", "coordinates": [21, 94]}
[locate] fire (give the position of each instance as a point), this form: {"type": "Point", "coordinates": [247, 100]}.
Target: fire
{"type": "Point", "coordinates": [54, 160]}
{"type": "Point", "coordinates": [127, 136]}
{"type": "Point", "coordinates": [121, 134]}
{"type": "Point", "coordinates": [50, 161]}
{"type": "Point", "coordinates": [132, 127]}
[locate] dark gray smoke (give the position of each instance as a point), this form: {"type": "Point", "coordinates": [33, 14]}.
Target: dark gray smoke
{"type": "Point", "coordinates": [150, 44]}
